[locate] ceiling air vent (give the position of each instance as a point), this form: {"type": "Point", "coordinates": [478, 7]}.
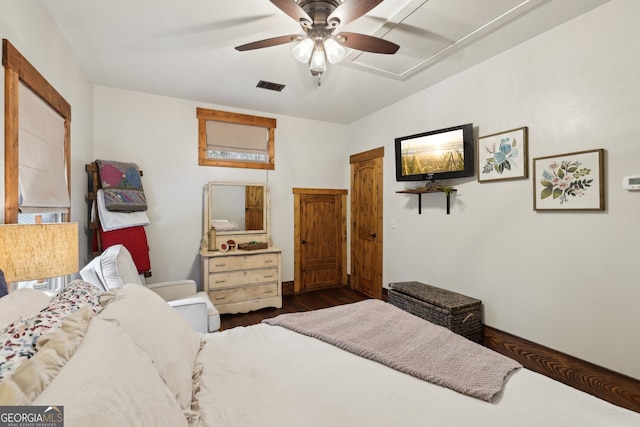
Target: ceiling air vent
{"type": "Point", "coordinates": [271, 86]}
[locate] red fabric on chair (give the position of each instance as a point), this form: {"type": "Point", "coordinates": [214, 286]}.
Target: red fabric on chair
{"type": "Point", "coordinates": [135, 240]}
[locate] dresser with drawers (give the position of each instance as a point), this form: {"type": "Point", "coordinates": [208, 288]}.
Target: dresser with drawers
{"type": "Point", "coordinates": [239, 281]}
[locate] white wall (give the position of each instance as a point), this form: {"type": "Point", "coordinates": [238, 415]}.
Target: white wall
{"type": "Point", "coordinates": [565, 280]}
{"type": "Point", "coordinates": [30, 28]}
{"type": "Point", "coordinates": [160, 134]}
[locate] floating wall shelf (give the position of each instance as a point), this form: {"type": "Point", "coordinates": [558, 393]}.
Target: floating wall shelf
{"type": "Point", "coordinates": [429, 190]}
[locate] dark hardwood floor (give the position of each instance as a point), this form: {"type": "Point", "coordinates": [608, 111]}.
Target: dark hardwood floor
{"type": "Point", "coordinates": [293, 303]}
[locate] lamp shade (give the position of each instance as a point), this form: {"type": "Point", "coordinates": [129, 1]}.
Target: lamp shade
{"type": "Point", "coordinates": [38, 251]}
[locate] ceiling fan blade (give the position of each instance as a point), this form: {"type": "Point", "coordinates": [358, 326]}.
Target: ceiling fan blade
{"type": "Point", "coordinates": [293, 9]}
{"type": "Point", "coordinates": [351, 10]}
{"type": "Point", "coordinates": [269, 42]}
{"type": "Point", "coordinates": [367, 43]}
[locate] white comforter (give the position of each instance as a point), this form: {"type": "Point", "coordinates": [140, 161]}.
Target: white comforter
{"type": "Point", "coordinates": [268, 376]}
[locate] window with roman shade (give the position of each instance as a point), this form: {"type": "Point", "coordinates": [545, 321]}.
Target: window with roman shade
{"type": "Point", "coordinates": [42, 179]}
{"type": "Point", "coordinates": [37, 144]}
{"type": "Point", "coordinates": [235, 140]}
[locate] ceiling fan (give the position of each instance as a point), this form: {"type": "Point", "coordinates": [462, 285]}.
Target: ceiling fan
{"type": "Point", "coordinates": [319, 20]}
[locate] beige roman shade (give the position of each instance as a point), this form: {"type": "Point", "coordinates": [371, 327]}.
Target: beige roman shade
{"type": "Point", "coordinates": [41, 171]}
{"type": "Point", "coordinates": [236, 138]}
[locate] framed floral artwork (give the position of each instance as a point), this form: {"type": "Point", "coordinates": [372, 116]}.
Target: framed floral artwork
{"type": "Point", "coordinates": [573, 181]}
{"type": "Point", "coordinates": [503, 155]}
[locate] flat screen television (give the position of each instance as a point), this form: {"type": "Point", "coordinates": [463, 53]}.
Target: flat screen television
{"type": "Point", "coordinates": [438, 154]}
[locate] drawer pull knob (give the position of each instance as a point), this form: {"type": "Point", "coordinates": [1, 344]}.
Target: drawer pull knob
{"type": "Point", "coordinates": [268, 261]}
{"type": "Point", "coordinates": [220, 281]}
{"type": "Point", "coordinates": [268, 276]}
{"type": "Point", "coordinates": [221, 264]}
{"type": "Point", "coordinates": [220, 298]}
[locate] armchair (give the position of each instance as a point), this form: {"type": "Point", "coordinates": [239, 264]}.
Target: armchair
{"type": "Point", "coordinates": [115, 268]}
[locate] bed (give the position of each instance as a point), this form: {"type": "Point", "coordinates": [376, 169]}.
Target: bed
{"type": "Point", "coordinates": [274, 376]}
{"type": "Point", "coordinates": [126, 358]}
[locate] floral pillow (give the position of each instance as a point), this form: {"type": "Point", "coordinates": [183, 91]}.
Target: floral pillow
{"type": "Point", "coordinates": [75, 295]}
{"type": "Point", "coordinates": [18, 341]}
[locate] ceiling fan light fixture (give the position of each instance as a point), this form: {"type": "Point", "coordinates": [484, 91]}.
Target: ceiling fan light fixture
{"type": "Point", "coordinates": [318, 62]}
{"type": "Point", "coordinates": [303, 50]}
{"type": "Point", "coordinates": [334, 50]}
{"type": "Point", "coordinates": [319, 19]}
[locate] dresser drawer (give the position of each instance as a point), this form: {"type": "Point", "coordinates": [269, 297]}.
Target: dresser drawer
{"type": "Point", "coordinates": [247, 293]}
{"type": "Point", "coordinates": [244, 277]}
{"type": "Point", "coordinates": [241, 262]}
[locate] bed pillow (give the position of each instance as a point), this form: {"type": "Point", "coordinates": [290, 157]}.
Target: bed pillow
{"type": "Point", "coordinates": [110, 381]}
{"type": "Point", "coordinates": [19, 340]}
{"type": "Point", "coordinates": [55, 349]}
{"type": "Point", "coordinates": [164, 335]}
{"type": "Point", "coordinates": [75, 295]}
{"type": "Point", "coordinates": [21, 302]}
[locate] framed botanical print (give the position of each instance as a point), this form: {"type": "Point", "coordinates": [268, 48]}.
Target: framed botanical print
{"type": "Point", "coordinates": [572, 181]}
{"type": "Point", "coordinates": [503, 155]}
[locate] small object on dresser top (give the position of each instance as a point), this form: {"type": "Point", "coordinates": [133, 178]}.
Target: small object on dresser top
{"type": "Point", "coordinates": [252, 246]}
{"type": "Point", "coordinates": [211, 238]}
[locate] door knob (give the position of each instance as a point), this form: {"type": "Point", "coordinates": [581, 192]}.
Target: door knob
{"type": "Point", "coordinates": [303, 241]}
{"type": "Point", "coordinates": [374, 235]}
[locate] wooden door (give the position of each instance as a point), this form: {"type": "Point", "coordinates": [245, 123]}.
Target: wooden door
{"type": "Point", "coordinates": [254, 208]}
{"type": "Point", "coordinates": [366, 222]}
{"type": "Point", "coordinates": [320, 232]}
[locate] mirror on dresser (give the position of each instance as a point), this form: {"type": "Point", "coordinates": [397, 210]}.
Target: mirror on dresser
{"type": "Point", "coordinates": [248, 276]}
{"type": "Point", "coordinates": [238, 212]}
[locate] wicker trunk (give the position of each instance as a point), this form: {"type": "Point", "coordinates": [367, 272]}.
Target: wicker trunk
{"type": "Point", "coordinates": [459, 313]}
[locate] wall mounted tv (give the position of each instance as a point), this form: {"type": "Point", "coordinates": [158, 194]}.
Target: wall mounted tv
{"type": "Point", "coordinates": [438, 154]}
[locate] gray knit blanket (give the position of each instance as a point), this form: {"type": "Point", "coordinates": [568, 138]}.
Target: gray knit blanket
{"type": "Point", "coordinates": [386, 334]}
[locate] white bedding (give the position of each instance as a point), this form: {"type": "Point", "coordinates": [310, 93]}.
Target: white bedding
{"type": "Point", "coordinates": [265, 375]}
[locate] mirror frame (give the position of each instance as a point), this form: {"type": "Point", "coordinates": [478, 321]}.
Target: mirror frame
{"type": "Point", "coordinates": [242, 236]}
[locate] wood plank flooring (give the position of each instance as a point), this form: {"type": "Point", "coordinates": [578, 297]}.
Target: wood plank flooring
{"type": "Point", "coordinates": [293, 303]}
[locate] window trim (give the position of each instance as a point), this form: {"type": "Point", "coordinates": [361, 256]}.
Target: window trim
{"type": "Point", "coordinates": [19, 69]}
{"type": "Point", "coordinates": [205, 115]}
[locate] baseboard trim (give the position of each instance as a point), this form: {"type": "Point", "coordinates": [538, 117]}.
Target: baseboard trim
{"type": "Point", "coordinates": [616, 388]}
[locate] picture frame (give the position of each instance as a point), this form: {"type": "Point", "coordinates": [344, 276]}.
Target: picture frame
{"type": "Point", "coordinates": [569, 182]}
{"type": "Point", "coordinates": [503, 155]}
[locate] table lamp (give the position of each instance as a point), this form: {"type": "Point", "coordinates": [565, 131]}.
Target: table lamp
{"type": "Point", "coordinates": [38, 251]}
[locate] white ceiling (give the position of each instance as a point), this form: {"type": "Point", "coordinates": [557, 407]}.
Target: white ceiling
{"type": "Point", "coordinates": [185, 49]}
